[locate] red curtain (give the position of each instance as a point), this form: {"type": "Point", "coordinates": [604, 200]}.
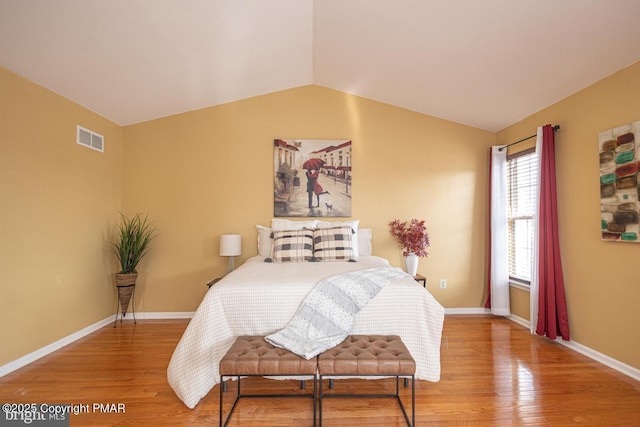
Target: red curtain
{"type": "Point", "coordinates": [552, 305]}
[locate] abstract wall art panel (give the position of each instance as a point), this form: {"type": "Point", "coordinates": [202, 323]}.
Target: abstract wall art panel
{"type": "Point", "coordinates": [619, 161]}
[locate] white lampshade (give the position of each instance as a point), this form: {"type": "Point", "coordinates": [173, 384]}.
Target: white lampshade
{"type": "Point", "coordinates": [230, 245]}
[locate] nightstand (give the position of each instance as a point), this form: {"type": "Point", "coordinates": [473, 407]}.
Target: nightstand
{"type": "Point", "coordinates": [213, 282]}
{"type": "Point", "coordinates": [420, 278]}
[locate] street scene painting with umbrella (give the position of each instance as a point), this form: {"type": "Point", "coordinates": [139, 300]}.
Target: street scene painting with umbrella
{"type": "Point", "coordinates": [312, 178]}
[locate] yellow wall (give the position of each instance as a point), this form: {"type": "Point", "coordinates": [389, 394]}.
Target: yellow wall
{"type": "Point", "coordinates": [58, 201]}
{"type": "Point", "coordinates": [208, 172]}
{"type": "Point", "coordinates": [601, 278]}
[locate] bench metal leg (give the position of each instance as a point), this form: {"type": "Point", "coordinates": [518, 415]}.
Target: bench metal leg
{"type": "Point", "coordinates": [223, 389]}
{"type": "Point", "coordinates": [411, 422]}
{"type": "Point", "coordinates": [320, 396]}
{"type": "Point", "coordinates": [315, 398]}
{"type": "Point", "coordinates": [235, 401]}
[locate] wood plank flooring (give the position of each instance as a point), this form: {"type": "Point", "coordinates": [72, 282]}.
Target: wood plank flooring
{"type": "Point", "coordinates": [494, 373]}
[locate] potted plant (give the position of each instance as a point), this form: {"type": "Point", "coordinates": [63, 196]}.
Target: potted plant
{"type": "Point", "coordinates": [414, 239]}
{"type": "Point", "coordinates": [132, 244]}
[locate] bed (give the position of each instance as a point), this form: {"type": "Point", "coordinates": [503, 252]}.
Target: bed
{"type": "Point", "coordinates": [259, 298]}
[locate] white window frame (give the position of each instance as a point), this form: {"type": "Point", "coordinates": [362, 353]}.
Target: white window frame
{"type": "Point", "coordinates": [521, 193]}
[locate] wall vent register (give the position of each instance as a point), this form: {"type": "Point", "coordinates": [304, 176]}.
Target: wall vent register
{"type": "Point", "coordinates": [90, 139]}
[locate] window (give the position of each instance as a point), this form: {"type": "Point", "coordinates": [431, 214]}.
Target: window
{"type": "Point", "coordinates": [521, 194]}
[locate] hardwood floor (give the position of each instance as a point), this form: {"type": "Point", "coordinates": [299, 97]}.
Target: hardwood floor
{"type": "Point", "coordinates": [494, 373]}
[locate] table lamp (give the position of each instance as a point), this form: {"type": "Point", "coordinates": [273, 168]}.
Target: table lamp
{"type": "Point", "coordinates": [231, 246]}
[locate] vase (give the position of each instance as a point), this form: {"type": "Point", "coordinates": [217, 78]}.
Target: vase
{"type": "Point", "coordinates": [411, 264]}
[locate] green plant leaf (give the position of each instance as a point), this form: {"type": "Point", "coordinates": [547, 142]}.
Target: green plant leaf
{"type": "Point", "coordinates": [134, 238]}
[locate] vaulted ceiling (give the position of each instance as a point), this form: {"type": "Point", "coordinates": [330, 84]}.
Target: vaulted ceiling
{"type": "Point", "coordinates": [484, 63]}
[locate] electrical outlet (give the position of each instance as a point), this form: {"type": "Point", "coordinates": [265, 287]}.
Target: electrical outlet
{"type": "Point", "coordinates": [443, 283]}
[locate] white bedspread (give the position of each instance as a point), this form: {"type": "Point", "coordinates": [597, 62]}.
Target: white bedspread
{"type": "Point", "coordinates": [327, 314]}
{"type": "Point", "coordinates": [259, 298]}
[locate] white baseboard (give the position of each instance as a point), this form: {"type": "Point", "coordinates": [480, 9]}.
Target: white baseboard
{"type": "Point", "coordinates": [519, 320]}
{"type": "Point", "coordinates": [467, 310]}
{"type": "Point", "coordinates": [35, 355]}
{"type": "Point", "coordinates": [590, 353]}
{"type": "Point", "coordinates": [158, 315]}
{"type": "Point", "coordinates": [602, 358]}
{"type": "Point", "coordinates": [582, 349]}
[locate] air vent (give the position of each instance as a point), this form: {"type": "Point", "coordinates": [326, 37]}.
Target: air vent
{"type": "Point", "coordinates": [90, 139]}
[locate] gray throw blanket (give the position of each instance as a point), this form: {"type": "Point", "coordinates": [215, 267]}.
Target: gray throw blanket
{"type": "Point", "coordinates": [328, 312]}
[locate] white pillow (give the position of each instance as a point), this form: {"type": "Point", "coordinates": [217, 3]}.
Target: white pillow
{"type": "Point", "coordinates": [285, 224]}
{"type": "Point", "coordinates": [264, 241]}
{"type": "Point", "coordinates": [364, 242]}
{"type": "Point", "coordinates": [354, 226]}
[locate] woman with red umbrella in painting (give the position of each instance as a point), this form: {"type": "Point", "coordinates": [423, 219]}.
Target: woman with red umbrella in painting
{"type": "Point", "coordinates": [313, 186]}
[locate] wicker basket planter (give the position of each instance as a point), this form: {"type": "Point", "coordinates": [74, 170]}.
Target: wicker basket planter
{"type": "Point", "coordinates": [126, 285]}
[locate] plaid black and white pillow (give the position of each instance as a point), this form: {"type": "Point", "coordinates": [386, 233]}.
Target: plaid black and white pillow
{"type": "Point", "coordinates": [292, 245]}
{"type": "Point", "coordinates": [333, 244]}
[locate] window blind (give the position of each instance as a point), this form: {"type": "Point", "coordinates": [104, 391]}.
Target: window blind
{"type": "Point", "coordinates": [521, 194]}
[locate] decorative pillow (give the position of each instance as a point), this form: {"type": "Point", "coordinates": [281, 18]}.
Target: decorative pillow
{"type": "Point", "coordinates": [354, 226]}
{"type": "Point", "coordinates": [292, 246]}
{"type": "Point", "coordinates": [333, 244]}
{"type": "Point", "coordinates": [364, 242]}
{"type": "Point", "coordinates": [264, 241]}
{"type": "Point", "coordinates": [285, 224]}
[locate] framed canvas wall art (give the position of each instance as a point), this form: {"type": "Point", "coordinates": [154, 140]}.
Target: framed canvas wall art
{"type": "Point", "coordinates": [312, 178]}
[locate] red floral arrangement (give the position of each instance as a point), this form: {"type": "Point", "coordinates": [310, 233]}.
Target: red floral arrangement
{"type": "Point", "coordinates": [412, 235]}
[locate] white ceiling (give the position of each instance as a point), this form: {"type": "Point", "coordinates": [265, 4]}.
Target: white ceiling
{"type": "Point", "coordinates": [485, 63]}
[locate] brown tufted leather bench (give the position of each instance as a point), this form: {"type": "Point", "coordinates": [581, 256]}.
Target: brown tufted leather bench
{"type": "Point", "coordinates": [253, 356]}
{"type": "Point", "coordinates": [365, 356]}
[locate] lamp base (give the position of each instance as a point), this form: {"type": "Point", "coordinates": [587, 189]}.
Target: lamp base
{"type": "Point", "coordinates": [231, 265]}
